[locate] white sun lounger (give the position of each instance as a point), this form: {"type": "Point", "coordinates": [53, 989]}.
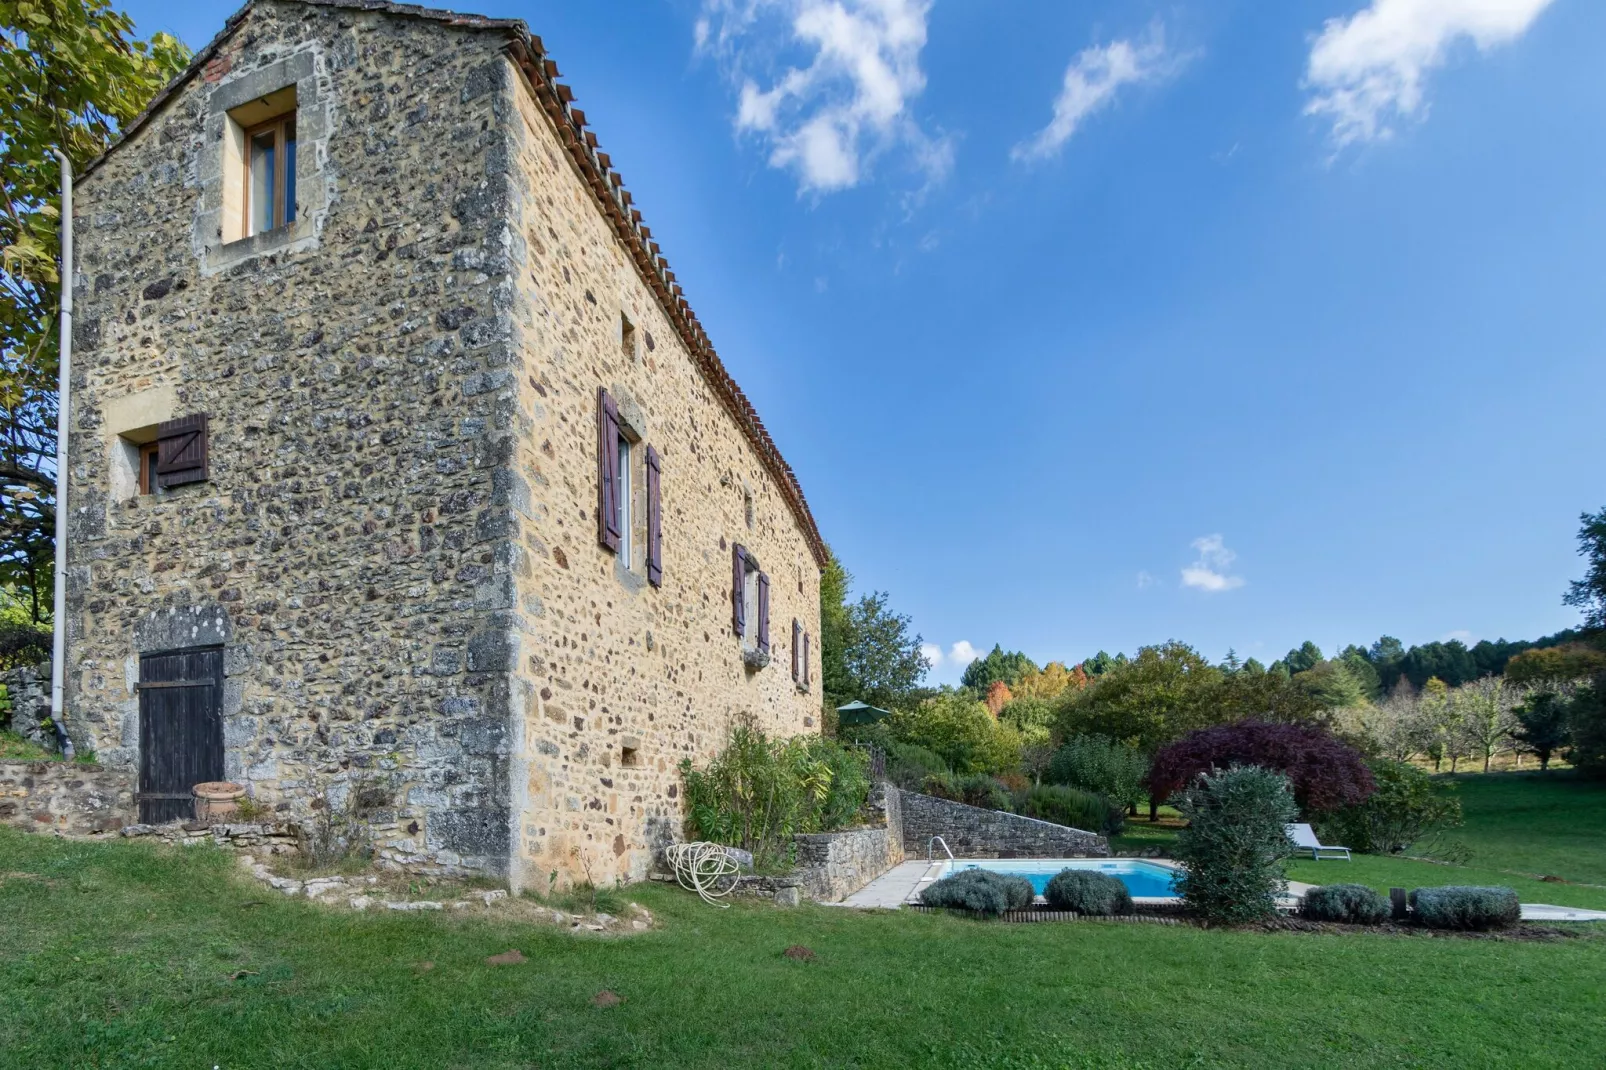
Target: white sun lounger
{"type": "Point", "coordinates": [1304, 838]}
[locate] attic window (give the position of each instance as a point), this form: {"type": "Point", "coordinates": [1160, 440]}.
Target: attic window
{"type": "Point", "coordinates": [260, 166]}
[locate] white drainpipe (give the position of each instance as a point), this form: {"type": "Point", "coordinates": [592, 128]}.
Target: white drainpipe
{"type": "Point", "coordinates": [58, 646]}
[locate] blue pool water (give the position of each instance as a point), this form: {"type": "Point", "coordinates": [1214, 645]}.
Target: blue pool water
{"type": "Point", "coordinates": [1141, 878]}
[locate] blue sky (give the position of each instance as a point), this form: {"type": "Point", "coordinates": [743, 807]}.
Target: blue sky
{"type": "Point", "coordinates": [1089, 325]}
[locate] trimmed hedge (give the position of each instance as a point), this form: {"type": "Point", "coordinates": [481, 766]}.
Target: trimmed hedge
{"type": "Point", "coordinates": [1088, 892]}
{"type": "Point", "coordinates": [981, 890]}
{"type": "Point", "coordinates": [1353, 903]}
{"type": "Point", "coordinates": [1457, 906]}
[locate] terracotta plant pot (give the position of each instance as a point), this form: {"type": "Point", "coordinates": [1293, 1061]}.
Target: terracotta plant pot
{"type": "Point", "coordinates": [217, 800]}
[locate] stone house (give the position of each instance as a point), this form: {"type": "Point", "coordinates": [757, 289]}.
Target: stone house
{"type": "Point", "coordinates": [404, 483]}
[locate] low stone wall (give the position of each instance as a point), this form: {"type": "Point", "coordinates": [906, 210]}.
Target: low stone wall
{"type": "Point", "coordinates": [28, 695]}
{"type": "Point", "coordinates": [972, 832]}
{"type": "Point", "coordinates": [72, 798]}
{"type": "Point", "coordinates": [834, 865]}
{"type": "Point", "coordinates": [263, 838]}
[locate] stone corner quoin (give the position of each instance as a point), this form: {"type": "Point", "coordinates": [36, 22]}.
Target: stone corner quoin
{"type": "Point", "coordinates": [391, 532]}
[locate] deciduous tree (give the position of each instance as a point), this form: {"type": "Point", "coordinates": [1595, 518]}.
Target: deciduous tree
{"type": "Point", "coordinates": [1325, 773]}
{"type": "Point", "coordinates": [1541, 725]}
{"type": "Point", "coordinates": [73, 75]}
{"type": "Point", "coordinates": [1589, 593]}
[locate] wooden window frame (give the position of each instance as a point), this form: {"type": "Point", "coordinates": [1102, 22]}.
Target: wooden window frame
{"type": "Point", "coordinates": [147, 466]}
{"type": "Point", "coordinates": [280, 161]}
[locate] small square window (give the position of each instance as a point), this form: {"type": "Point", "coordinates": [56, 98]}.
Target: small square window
{"type": "Point", "coordinates": [627, 336]}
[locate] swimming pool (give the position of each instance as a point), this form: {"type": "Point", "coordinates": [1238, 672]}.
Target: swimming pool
{"type": "Point", "coordinates": [1145, 880]}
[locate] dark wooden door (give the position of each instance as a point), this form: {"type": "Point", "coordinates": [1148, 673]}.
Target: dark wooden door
{"type": "Point", "coordinates": [180, 730]}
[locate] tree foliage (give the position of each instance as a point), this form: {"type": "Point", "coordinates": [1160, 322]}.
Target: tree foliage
{"type": "Point", "coordinates": [1542, 725]}
{"type": "Point", "coordinates": [1556, 665]}
{"type": "Point", "coordinates": [1324, 773]}
{"type": "Point", "coordinates": [1586, 726]}
{"type": "Point", "coordinates": [1589, 593]}
{"type": "Point", "coordinates": [998, 665]}
{"type": "Point", "coordinates": [73, 74]}
{"type": "Point", "coordinates": [961, 731]}
{"type": "Point", "coordinates": [1408, 811]}
{"type": "Point", "coordinates": [867, 651]}
{"type": "Point", "coordinates": [1098, 764]}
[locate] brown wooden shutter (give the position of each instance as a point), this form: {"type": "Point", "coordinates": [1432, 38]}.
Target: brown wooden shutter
{"type": "Point", "coordinates": [763, 612]}
{"type": "Point", "coordinates": [738, 583]}
{"type": "Point", "coordinates": [655, 538]}
{"type": "Point", "coordinates": [805, 661]}
{"type": "Point", "coordinates": [797, 651]}
{"type": "Point", "coordinates": [181, 451]}
{"type": "Point", "coordinates": [607, 471]}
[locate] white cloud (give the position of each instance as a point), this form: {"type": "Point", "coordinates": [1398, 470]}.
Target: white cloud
{"type": "Point", "coordinates": [825, 121]}
{"type": "Point", "coordinates": [1146, 579]}
{"type": "Point", "coordinates": [962, 653]}
{"type": "Point", "coordinates": [1368, 70]}
{"type": "Point", "coordinates": [1091, 82]}
{"type": "Point", "coordinates": [1209, 572]}
{"type": "Point", "coordinates": [1461, 634]}
{"type": "Point", "coordinates": [932, 653]}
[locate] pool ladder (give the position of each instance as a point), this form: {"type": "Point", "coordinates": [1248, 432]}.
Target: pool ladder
{"type": "Point", "coordinates": [931, 856]}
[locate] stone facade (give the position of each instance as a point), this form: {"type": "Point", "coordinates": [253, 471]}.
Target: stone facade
{"type": "Point", "coordinates": [972, 832]}
{"type": "Point", "coordinates": [396, 547]}
{"type": "Point", "coordinates": [72, 798]}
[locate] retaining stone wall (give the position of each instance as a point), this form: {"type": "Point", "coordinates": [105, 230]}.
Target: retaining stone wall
{"type": "Point", "coordinates": [72, 798]}
{"type": "Point", "coordinates": [834, 865]}
{"type": "Point", "coordinates": [973, 832]}
{"type": "Point", "coordinates": [28, 694]}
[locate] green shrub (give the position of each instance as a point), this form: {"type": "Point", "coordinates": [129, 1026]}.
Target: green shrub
{"type": "Point", "coordinates": [1408, 809]}
{"type": "Point", "coordinates": [1088, 892]}
{"type": "Point", "coordinates": [1072, 807]}
{"type": "Point", "coordinates": [909, 765]}
{"type": "Point", "coordinates": [1465, 907]}
{"type": "Point", "coordinates": [1353, 903]}
{"type": "Point", "coordinates": [1098, 764]}
{"type": "Point", "coordinates": [977, 790]}
{"type": "Point", "coordinates": [758, 793]}
{"type": "Point", "coordinates": [980, 889]}
{"type": "Point", "coordinates": [1234, 844]}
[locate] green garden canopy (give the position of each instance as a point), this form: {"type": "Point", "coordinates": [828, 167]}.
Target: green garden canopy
{"type": "Point", "coordinates": [860, 713]}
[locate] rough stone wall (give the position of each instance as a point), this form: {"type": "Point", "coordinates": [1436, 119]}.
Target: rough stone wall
{"type": "Point", "coordinates": [972, 832]}
{"type": "Point", "coordinates": [349, 550]}
{"type": "Point", "coordinates": [73, 798]}
{"type": "Point", "coordinates": [834, 865]}
{"type": "Point", "coordinates": [604, 658]}
{"type": "Point", "coordinates": [28, 695]}
{"type": "Point", "coordinates": [396, 546]}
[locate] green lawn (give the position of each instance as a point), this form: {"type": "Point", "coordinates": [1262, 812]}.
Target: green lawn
{"type": "Point", "coordinates": [126, 954]}
{"type": "Point", "coordinates": [1519, 826]}
{"type": "Point", "coordinates": [1541, 823]}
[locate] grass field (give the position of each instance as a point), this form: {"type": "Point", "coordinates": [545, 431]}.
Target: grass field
{"type": "Point", "coordinates": [1519, 827]}
{"type": "Point", "coordinates": [129, 954]}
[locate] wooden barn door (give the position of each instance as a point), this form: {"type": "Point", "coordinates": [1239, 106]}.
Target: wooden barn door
{"type": "Point", "coordinates": [180, 730]}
